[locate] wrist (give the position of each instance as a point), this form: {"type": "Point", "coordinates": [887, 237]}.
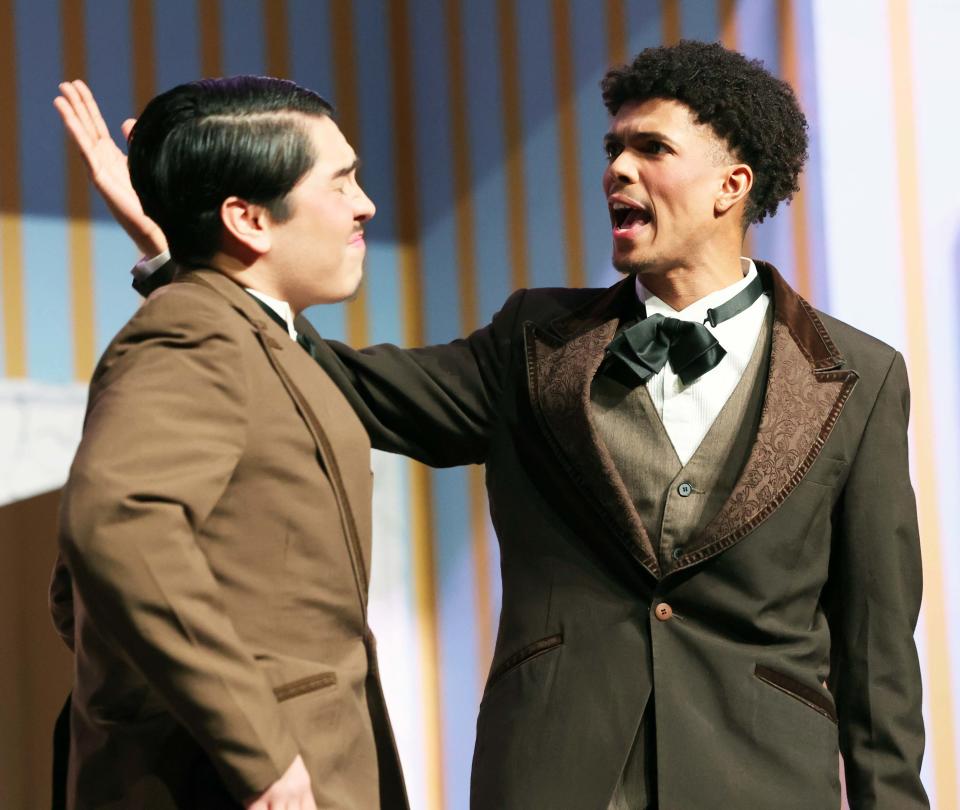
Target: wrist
{"type": "Point", "coordinates": [152, 243]}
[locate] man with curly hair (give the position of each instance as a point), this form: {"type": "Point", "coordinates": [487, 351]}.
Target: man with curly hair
{"type": "Point", "coordinates": [710, 555]}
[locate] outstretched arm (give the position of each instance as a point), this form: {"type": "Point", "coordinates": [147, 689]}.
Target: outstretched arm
{"type": "Point", "coordinates": [440, 404]}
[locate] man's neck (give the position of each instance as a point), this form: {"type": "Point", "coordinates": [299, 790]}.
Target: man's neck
{"type": "Point", "coordinates": [252, 276]}
{"type": "Point", "coordinates": [682, 285]}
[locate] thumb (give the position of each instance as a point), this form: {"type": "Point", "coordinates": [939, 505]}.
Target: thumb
{"type": "Point", "coordinates": [126, 128]}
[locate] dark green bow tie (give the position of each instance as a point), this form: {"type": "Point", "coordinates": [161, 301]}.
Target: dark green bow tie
{"type": "Point", "coordinates": [641, 350]}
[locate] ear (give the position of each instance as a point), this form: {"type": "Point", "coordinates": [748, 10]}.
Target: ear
{"type": "Point", "coordinates": [247, 224]}
{"type": "Point", "coordinates": [737, 183]}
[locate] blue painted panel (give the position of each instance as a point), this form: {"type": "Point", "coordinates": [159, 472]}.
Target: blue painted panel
{"type": "Point", "coordinates": [243, 37]}
{"type": "Point", "coordinates": [310, 59]}
{"type": "Point", "coordinates": [177, 43]}
{"type": "Point", "coordinates": [109, 71]}
{"type": "Point", "coordinates": [483, 96]}
{"type": "Point", "coordinates": [545, 246]}
{"type": "Point", "coordinates": [698, 20]}
{"type": "Point", "coordinates": [49, 322]}
{"type": "Point", "coordinates": [384, 298]}
{"type": "Point", "coordinates": [590, 65]}
{"type": "Point", "coordinates": [646, 25]}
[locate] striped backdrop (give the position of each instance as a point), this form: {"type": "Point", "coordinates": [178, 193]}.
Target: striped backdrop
{"type": "Point", "coordinates": [480, 123]}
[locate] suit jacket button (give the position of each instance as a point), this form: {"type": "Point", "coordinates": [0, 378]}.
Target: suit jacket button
{"type": "Point", "coordinates": [684, 489]}
{"type": "Point", "coordinates": [663, 612]}
{"type": "Point", "coordinates": [677, 553]}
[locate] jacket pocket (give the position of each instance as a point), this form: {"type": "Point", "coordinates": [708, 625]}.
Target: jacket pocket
{"type": "Point", "coordinates": [524, 655]}
{"type": "Point", "coordinates": [805, 694]}
{"type": "Point", "coordinates": [304, 686]}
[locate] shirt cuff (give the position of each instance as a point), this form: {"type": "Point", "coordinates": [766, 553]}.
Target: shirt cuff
{"type": "Point", "coordinates": [145, 268]}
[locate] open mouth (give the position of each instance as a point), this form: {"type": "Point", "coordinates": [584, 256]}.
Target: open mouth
{"type": "Point", "coordinates": [627, 215]}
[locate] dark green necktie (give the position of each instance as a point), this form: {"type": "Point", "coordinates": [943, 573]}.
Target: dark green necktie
{"type": "Point", "coordinates": [302, 339]}
{"type": "Point", "coordinates": [641, 350]}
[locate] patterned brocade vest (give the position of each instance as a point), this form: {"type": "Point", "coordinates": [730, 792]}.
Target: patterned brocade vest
{"type": "Point", "coordinates": [674, 501]}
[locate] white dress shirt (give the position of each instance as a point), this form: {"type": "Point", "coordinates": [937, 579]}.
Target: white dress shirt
{"type": "Point", "coordinates": [688, 411]}
{"type": "Point", "coordinates": [282, 308]}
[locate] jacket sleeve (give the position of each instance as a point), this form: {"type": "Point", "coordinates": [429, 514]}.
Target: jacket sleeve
{"type": "Point", "coordinates": [875, 588]}
{"type": "Point", "coordinates": [61, 601]}
{"type": "Point", "coordinates": [439, 404]}
{"type": "Point", "coordinates": [165, 429]}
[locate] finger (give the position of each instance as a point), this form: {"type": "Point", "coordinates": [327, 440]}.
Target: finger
{"type": "Point", "coordinates": [127, 127]}
{"type": "Point", "coordinates": [74, 126]}
{"type": "Point", "coordinates": [93, 108]}
{"type": "Point", "coordinates": [72, 95]}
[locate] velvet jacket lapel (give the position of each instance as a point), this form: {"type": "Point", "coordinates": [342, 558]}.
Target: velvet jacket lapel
{"type": "Point", "coordinates": [806, 389]}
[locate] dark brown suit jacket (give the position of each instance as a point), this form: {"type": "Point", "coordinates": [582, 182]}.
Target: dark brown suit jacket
{"type": "Point", "coordinates": [781, 634]}
{"type": "Point", "coordinates": [215, 547]}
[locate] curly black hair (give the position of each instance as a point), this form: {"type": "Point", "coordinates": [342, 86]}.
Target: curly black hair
{"type": "Point", "coordinates": [754, 112]}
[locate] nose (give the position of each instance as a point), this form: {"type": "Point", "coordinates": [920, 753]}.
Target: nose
{"type": "Point", "coordinates": [621, 170]}
{"type": "Point", "coordinates": [364, 208]}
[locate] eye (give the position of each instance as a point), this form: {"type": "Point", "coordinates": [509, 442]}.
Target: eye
{"type": "Point", "coordinates": [612, 150]}
{"type": "Point", "coordinates": [655, 148]}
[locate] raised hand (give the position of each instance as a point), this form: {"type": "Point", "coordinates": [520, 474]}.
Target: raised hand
{"type": "Point", "coordinates": [290, 792]}
{"type": "Point", "coordinates": [107, 164]}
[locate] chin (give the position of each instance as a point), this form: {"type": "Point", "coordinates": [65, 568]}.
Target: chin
{"type": "Point", "coordinates": [632, 265]}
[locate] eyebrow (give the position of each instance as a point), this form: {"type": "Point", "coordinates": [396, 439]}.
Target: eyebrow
{"type": "Point", "coordinates": [636, 135]}
{"type": "Point", "coordinates": [347, 170]}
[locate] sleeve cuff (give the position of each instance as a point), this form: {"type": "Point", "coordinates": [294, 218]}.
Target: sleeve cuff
{"type": "Point", "coordinates": [146, 267]}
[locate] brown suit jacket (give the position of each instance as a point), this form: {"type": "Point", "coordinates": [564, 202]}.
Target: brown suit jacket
{"type": "Point", "coordinates": [782, 632]}
{"type": "Point", "coordinates": [215, 538]}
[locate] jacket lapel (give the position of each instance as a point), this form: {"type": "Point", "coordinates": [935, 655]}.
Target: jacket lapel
{"type": "Point", "coordinates": [807, 387]}
{"type": "Point", "coordinates": [561, 362]}
{"type": "Point", "coordinates": [304, 382]}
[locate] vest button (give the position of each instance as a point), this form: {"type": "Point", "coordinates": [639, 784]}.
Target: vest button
{"type": "Point", "coordinates": [663, 612]}
{"type": "Point", "coordinates": [677, 553]}
{"type": "Point", "coordinates": [684, 489]}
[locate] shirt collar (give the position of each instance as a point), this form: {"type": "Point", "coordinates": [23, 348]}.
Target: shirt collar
{"type": "Point", "coordinates": [697, 311]}
{"type": "Point", "coordinates": [282, 308]}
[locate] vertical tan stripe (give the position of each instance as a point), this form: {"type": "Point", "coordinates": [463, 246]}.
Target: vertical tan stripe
{"type": "Point", "coordinates": [211, 45]}
{"type": "Point", "coordinates": [567, 135]}
{"type": "Point", "coordinates": [670, 9]}
{"type": "Point", "coordinates": [790, 72]}
{"type": "Point", "coordinates": [516, 208]}
{"type": "Point", "coordinates": [421, 491]}
{"type": "Point", "coordinates": [11, 232]}
{"type": "Point", "coordinates": [276, 38]}
{"type": "Point", "coordinates": [79, 235]}
{"type": "Point", "coordinates": [727, 10]}
{"type": "Point", "coordinates": [921, 385]}
{"type": "Point", "coordinates": [144, 65]}
{"type": "Point", "coordinates": [348, 116]}
{"type": "Point", "coordinates": [469, 319]}
{"type": "Point", "coordinates": [618, 41]}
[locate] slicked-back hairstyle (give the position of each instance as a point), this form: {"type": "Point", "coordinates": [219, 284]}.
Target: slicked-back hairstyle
{"type": "Point", "coordinates": [754, 112]}
{"type": "Point", "coordinates": [202, 142]}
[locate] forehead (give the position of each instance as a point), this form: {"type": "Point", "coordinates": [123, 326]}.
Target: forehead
{"type": "Point", "coordinates": [329, 144]}
{"type": "Point", "coordinates": [668, 117]}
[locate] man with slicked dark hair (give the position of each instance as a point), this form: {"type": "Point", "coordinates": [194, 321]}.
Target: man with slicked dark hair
{"type": "Point", "coordinates": [215, 527]}
{"type": "Point", "coordinates": [709, 546]}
